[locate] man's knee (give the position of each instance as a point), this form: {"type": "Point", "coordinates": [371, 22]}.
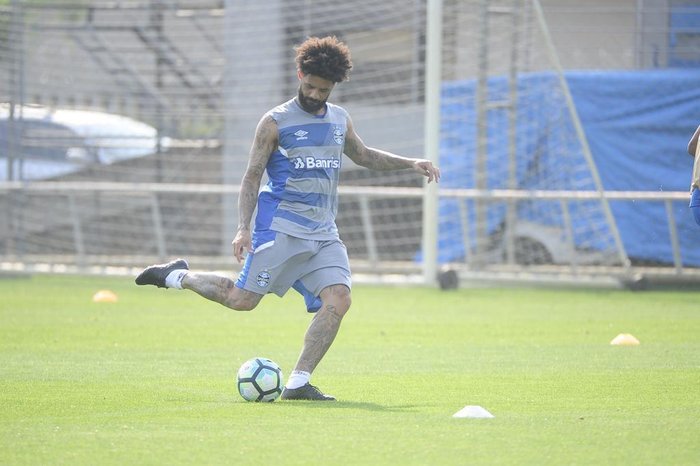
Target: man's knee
{"type": "Point", "coordinates": [241, 300]}
{"type": "Point", "coordinates": [339, 297]}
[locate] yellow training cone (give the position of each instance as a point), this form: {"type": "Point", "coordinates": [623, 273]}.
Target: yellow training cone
{"type": "Point", "coordinates": [624, 339]}
{"type": "Point", "coordinates": [104, 296]}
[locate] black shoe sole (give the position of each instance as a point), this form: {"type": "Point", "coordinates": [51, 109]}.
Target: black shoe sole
{"type": "Point", "coordinates": [156, 274]}
{"type": "Point", "coordinates": [305, 393]}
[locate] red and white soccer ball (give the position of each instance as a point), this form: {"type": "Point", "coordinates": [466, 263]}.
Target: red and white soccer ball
{"type": "Point", "coordinates": [260, 379]}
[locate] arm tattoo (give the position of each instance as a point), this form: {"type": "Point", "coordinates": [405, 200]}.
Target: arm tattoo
{"type": "Point", "coordinates": [246, 202]}
{"type": "Point", "coordinates": [381, 160]}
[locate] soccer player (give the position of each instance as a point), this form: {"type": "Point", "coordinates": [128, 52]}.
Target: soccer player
{"type": "Point", "coordinates": [295, 242]}
{"type": "Point", "coordinates": [694, 151]}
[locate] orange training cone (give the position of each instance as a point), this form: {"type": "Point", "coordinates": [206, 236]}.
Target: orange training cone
{"type": "Point", "coordinates": [625, 339]}
{"type": "Point", "coordinates": [104, 296]}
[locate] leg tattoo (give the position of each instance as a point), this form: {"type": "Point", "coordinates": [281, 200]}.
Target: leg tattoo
{"type": "Point", "coordinates": [221, 290]}
{"type": "Point", "coordinates": [324, 327]}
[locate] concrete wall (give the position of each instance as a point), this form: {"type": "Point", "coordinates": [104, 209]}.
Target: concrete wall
{"type": "Point", "coordinates": [598, 34]}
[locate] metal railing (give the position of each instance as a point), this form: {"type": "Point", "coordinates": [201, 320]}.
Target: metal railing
{"type": "Point", "coordinates": [148, 194]}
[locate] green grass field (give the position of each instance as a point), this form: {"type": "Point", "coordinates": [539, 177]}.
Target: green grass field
{"type": "Point", "coordinates": [151, 379]}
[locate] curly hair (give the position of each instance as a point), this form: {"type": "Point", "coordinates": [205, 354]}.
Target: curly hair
{"type": "Point", "coordinates": [325, 57]}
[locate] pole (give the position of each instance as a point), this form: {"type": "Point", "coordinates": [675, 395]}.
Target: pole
{"type": "Point", "coordinates": [480, 165]}
{"type": "Point", "coordinates": [433, 80]}
{"type": "Point", "coordinates": [254, 82]}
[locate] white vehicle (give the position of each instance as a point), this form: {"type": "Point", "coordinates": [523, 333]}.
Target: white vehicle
{"type": "Point", "coordinates": [45, 143]}
{"type": "Point", "coordinates": [536, 244]}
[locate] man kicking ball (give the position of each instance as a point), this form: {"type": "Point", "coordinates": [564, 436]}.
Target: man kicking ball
{"type": "Point", "coordinates": [294, 242]}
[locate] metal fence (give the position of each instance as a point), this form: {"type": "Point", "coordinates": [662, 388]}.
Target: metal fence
{"type": "Point", "coordinates": [170, 91]}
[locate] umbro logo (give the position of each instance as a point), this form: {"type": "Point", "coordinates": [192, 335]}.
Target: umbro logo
{"type": "Point", "coordinates": [301, 135]}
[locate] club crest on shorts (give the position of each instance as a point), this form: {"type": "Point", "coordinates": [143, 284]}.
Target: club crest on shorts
{"type": "Point", "coordinates": [263, 279]}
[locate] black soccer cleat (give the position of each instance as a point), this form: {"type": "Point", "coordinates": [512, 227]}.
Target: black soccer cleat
{"type": "Point", "coordinates": [305, 392]}
{"type": "Point", "coordinates": [156, 274]}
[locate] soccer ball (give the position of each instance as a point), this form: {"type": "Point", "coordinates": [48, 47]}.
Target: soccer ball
{"type": "Point", "coordinates": [260, 379]}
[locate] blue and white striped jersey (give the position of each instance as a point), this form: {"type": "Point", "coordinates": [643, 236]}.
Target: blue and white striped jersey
{"type": "Point", "coordinates": [301, 196]}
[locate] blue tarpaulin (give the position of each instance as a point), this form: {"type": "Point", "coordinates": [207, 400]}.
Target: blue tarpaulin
{"type": "Point", "coordinates": [637, 124]}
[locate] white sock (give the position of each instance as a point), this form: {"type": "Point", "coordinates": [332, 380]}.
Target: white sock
{"type": "Point", "coordinates": [297, 379]}
{"type": "Point", "coordinates": [174, 278]}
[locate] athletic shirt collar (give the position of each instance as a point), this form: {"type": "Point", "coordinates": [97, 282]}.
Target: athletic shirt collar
{"type": "Point", "coordinates": [325, 105]}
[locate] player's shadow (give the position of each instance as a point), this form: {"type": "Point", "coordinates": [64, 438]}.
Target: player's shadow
{"type": "Point", "coordinates": [350, 405]}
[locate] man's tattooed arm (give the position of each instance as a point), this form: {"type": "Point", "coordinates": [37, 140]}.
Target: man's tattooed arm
{"type": "Point", "coordinates": [372, 158]}
{"type": "Point", "coordinates": [263, 145]}
{"type": "Point", "coordinates": [377, 159]}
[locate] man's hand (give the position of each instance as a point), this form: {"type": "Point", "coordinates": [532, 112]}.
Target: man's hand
{"type": "Point", "coordinates": [426, 168]}
{"type": "Point", "coordinates": [242, 244]}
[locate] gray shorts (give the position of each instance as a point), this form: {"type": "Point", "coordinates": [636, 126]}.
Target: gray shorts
{"type": "Point", "coordinates": [308, 265]}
